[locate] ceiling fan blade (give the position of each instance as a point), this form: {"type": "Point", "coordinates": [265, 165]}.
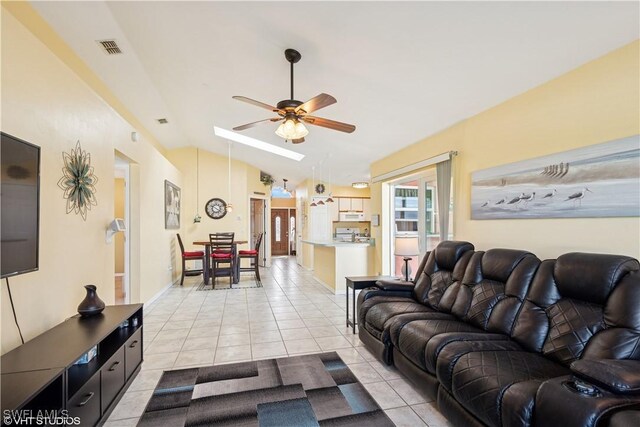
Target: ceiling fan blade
{"type": "Point", "coordinates": [256, 103]}
{"type": "Point", "coordinates": [331, 124]}
{"type": "Point", "coordinates": [297, 141]}
{"type": "Point", "coordinates": [250, 125]}
{"type": "Point", "coordinates": [316, 103]}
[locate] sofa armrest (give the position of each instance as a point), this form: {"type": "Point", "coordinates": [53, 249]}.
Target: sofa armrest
{"type": "Point", "coordinates": [616, 376]}
{"type": "Point", "coordinates": [367, 293]}
{"type": "Point", "coordinates": [558, 403]}
{"type": "Point", "coordinates": [395, 285]}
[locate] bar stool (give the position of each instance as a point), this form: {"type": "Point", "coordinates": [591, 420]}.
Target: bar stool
{"type": "Point", "coordinates": [253, 255]}
{"type": "Point", "coordinates": [189, 256]}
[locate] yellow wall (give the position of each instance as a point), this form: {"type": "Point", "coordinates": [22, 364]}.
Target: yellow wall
{"type": "Point", "coordinates": [283, 203]}
{"type": "Point", "coordinates": [594, 103]}
{"type": "Point", "coordinates": [118, 212]}
{"type": "Point", "coordinates": [46, 103]}
{"type": "Point", "coordinates": [325, 259]}
{"type": "Point", "coordinates": [347, 191]}
{"type": "Point", "coordinates": [213, 181]}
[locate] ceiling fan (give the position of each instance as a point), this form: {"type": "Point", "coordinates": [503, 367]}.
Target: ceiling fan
{"type": "Point", "coordinates": [293, 113]}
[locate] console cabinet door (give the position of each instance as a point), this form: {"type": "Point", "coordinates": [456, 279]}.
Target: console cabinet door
{"type": "Point", "coordinates": [112, 378]}
{"type": "Point", "coordinates": [133, 353]}
{"type": "Point", "coordinates": [86, 402]}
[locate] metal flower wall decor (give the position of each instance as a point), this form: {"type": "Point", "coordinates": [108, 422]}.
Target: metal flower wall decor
{"type": "Point", "coordinates": [78, 181]}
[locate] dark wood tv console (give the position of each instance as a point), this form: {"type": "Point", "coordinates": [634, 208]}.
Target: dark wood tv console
{"type": "Point", "coordinates": [41, 375]}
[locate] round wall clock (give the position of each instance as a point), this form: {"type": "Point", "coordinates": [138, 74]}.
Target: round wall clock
{"type": "Point", "coordinates": [320, 188]}
{"type": "Point", "coordinates": [216, 208]}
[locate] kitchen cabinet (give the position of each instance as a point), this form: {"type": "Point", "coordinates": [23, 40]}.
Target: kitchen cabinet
{"type": "Point", "coordinates": [366, 209]}
{"type": "Point", "coordinates": [348, 204]}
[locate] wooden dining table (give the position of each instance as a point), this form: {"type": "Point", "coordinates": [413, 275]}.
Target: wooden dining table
{"type": "Point", "coordinates": [207, 259]}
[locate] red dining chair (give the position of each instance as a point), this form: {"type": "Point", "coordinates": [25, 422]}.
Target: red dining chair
{"type": "Point", "coordinates": [253, 255]}
{"type": "Point", "coordinates": [189, 256]}
{"type": "Point", "coordinates": [222, 253]}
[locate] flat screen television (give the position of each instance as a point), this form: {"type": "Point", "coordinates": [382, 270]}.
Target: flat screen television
{"type": "Point", "coordinates": [19, 205]}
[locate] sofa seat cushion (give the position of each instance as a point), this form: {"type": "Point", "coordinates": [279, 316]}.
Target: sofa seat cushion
{"type": "Point", "coordinates": [499, 387]}
{"type": "Point", "coordinates": [379, 314]}
{"type": "Point", "coordinates": [412, 338]}
{"type": "Point", "coordinates": [454, 350]}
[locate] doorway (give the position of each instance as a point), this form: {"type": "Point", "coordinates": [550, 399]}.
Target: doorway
{"type": "Point", "coordinates": [121, 208]}
{"type": "Point", "coordinates": [279, 232]}
{"type": "Point", "coordinates": [258, 208]}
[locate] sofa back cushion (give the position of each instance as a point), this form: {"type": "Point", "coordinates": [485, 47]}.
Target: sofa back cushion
{"type": "Point", "coordinates": [438, 282]}
{"type": "Point", "coordinates": [493, 288]}
{"type": "Point", "coordinates": [575, 308]}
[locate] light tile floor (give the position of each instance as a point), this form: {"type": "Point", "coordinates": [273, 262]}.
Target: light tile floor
{"type": "Point", "coordinates": [291, 314]}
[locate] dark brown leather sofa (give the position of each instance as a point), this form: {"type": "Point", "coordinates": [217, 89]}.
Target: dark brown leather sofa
{"type": "Point", "coordinates": [500, 338]}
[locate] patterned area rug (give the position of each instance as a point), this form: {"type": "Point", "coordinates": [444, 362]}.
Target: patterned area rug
{"type": "Point", "coordinates": [311, 390]}
{"type": "Point", "coordinates": [223, 284]}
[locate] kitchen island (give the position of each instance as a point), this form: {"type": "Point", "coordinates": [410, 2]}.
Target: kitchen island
{"type": "Point", "coordinates": [335, 260]}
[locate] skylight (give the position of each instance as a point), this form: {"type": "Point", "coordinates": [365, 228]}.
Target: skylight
{"type": "Point", "coordinates": [256, 143]}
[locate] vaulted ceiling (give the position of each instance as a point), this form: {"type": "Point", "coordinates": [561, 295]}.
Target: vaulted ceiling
{"type": "Point", "coordinates": [400, 71]}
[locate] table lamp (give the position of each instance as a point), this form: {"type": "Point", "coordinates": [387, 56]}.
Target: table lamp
{"type": "Point", "coordinates": [407, 247]}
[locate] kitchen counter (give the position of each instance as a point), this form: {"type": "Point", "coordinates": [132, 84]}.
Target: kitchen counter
{"type": "Point", "coordinates": [335, 260]}
{"type": "Point", "coordinates": [334, 243]}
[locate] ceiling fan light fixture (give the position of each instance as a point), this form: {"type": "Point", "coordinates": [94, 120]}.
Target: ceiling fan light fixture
{"type": "Point", "coordinates": [292, 128]}
{"type": "Point", "coordinates": [360, 185]}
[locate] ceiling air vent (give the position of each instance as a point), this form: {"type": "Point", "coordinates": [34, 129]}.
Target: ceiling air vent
{"type": "Point", "coordinates": [163, 121]}
{"type": "Point", "coordinates": [110, 47]}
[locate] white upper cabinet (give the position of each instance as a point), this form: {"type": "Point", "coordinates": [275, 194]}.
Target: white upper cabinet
{"type": "Point", "coordinates": [348, 204]}
{"type": "Point", "coordinates": [357, 205]}
{"type": "Point", "coordinates": [344, 204]}
{"type": "Point", "coordinates": [366, 209]}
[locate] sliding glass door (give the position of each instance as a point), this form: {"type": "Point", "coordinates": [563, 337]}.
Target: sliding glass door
{"type": "Point", "coordinates": [414, 214]}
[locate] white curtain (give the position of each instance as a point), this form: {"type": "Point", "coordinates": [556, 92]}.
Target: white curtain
{"type": "Point", "coordinates": [443, 173]}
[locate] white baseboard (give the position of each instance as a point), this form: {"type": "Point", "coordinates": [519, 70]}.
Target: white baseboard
{"type": "Point", "coordinates": [159, 294]}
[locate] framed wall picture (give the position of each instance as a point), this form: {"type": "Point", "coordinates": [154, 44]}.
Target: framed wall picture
{"type": "Point", "coordinates": [172, 200]}
{"type": "Point", "coordinates": [594, 181]}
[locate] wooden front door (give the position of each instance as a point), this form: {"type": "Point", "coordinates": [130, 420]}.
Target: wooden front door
{"type": "Point", "coordinates": [279, 232]}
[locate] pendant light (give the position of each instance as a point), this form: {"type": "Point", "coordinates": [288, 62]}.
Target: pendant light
{"type": "Point", "coordinates": [229, 204]}
{"type": "Point", "coordinates": [284, 189]}
{"type": "Point", "coordinates": [320, 202]}
{"type": "Point", "coordinates": [313, 185]}
{"type": "Point", "coordinates": [329, 199]}
{"type": "Point", "coordinates": [197, 218]}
